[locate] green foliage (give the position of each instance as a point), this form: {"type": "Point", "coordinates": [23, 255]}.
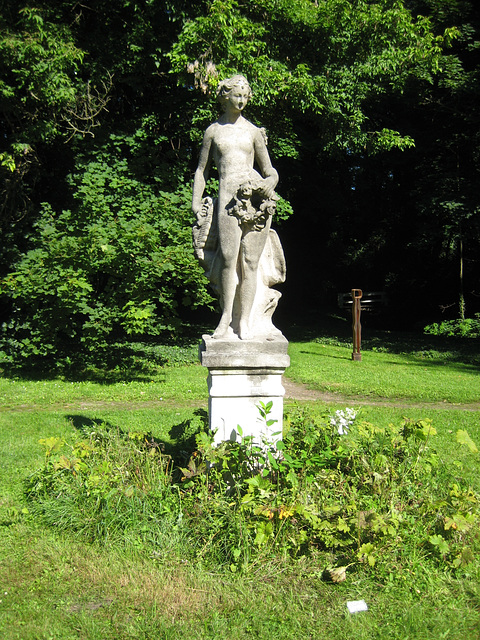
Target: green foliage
{"type": "Point", "coordinates": [466, 328]}
{"type": "Point", "coordinates": [340, 85]}
{"type": "Point", "coordinates": [39, 88]}
{"type": "Point", "coordinates": [464, 438]}
{"type": "Point", "coordinates": [69, 74]}
{"type": "Point", "coordinates": [45, 97]}
{"type": "Point", "coordinates": [107, 486]}
{"type": "Point", "coordinates": [363, 496]}
{"type": "Point", "coordinates": [118, 262]}
{"type": "Point", "coordinates": [366, 496]}
{"type": "Point", "coordinates": [361, 51]}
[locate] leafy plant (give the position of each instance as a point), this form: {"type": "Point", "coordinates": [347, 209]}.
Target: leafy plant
{"type": "Point", "coordinates": [118, 263]}
{"type": "Point", "coordinates": [362, 50]}
{"type": "Point", "coordinates": [461, 328]}
{"type": "Point", "coordinates": [109, 485]}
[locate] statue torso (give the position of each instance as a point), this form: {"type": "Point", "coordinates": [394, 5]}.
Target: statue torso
{"type": "Point", "coordinates": [233, 148]}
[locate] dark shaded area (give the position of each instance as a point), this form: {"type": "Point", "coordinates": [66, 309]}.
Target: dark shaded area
{"type": "Point", "coordinates": [336, 328]}
{"type": "Point", "coordinates": [125, 362]}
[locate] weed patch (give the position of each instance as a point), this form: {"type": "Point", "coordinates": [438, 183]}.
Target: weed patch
{"type": "Point", "coordinates": [360, 498]}
{"type": "Point", "coordinates": [110, 486]}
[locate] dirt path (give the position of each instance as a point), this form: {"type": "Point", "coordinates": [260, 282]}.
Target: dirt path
{"type": "Point", "coordinates": [299, 391]}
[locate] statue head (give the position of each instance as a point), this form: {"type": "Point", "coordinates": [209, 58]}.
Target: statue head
{"type": "Point", "coordinates": [226, 86]}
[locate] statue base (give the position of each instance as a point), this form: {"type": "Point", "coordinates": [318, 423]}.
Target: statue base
{"type": "Point", "coordinates": [241, 374]}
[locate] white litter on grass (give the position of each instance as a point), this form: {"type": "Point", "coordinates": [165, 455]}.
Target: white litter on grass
{"type": "Point", "coordinates": [354, 606]}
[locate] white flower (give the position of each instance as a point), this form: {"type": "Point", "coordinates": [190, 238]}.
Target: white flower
{"type": "Point", "coordinates": [343, 420]}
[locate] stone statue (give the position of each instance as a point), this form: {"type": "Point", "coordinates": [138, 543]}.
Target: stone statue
{"type": "Point", "coordinates": [242, 256]}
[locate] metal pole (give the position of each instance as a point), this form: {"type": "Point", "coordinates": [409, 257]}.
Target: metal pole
{"type": "Point", "coordinates": [357, 327]}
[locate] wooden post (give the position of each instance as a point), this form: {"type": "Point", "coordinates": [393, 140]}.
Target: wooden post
{"type": "Point", "coordinates": [357, 327]}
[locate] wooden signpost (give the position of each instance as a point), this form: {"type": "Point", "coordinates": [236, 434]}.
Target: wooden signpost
{"type": "Point", "coordinates": [357, 327]}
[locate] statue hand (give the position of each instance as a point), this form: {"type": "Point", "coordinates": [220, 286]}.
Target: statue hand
{"type": "Point", "coordinates": [201, 209]}
{"type": "Point", "coordinates": [267, 187]}
{"type": "Point", "coordinates": [198, 208]}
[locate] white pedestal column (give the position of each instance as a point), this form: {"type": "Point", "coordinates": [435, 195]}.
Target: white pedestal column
{"type": "Point", "coordinates": [241, 375]}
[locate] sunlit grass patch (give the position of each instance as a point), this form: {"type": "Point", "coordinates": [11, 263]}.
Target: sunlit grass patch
{"type": "Point", "coordinates": [187, 381]}
{"type": "Point", "coordinates": [383, 374]}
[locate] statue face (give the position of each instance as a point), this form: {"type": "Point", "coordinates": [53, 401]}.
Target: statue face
{"type": "Point", "coordinates": [238, 98]}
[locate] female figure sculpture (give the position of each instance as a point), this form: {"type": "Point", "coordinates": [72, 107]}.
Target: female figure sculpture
{"type": "Point", "coordinates": [232, 235]}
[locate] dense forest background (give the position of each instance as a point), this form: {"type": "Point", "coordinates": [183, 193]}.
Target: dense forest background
{"type": "Point", "coordinates": [373, 116]}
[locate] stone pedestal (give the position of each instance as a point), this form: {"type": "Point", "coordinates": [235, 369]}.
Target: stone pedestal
{"type": "Point", "coordinates": [241, 375]}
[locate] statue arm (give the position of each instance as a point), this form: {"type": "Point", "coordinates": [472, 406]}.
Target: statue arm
{"type": "Point", "coordinates": [262, 158]}
{"type": "Point", "coordinates": [201, 174]}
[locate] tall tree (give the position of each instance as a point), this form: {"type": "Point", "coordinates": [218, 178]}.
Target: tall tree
{"type": "Point", "coordinates": [109, 249]}
{"type": "Point", "coordinates": [326, 65]}
{"type": "Point", "coordinates": [41, 98]}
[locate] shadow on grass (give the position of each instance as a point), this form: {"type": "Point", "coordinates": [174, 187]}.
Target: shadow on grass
{"type": "Point", "coordinates": [427, 361]}
{"type": "Point", "coordinates": [120, 362]}
{"type": "Point", "coordinates": [325, 355]}
{"type": "Point", "coordinates": [183, 435]}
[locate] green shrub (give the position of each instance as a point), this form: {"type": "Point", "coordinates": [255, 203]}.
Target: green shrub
{"type": "Point", "coordinates": [363, 494]}
{"type": "Point", "coordinates": [466, 328]}
{"type": "Point", "coordinates": [108, 486]}
{"type": "Point", "coordinates": [118, 263]}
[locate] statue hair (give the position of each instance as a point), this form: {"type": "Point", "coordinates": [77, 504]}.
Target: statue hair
{"type": "Point", "coordinates": [225, 87]}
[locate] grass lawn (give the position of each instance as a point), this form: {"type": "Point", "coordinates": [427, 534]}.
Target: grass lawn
{"type": "Point", "coordinates": [185, 383]}
{"type": "Point", "coordinates": [57, 586]}
{"type": "Point", "coordinates": [420, 376]}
